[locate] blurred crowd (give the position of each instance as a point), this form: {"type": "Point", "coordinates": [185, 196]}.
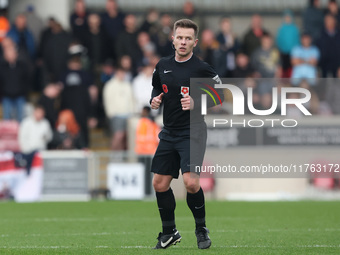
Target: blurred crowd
{"type": "Point", "coordinates": [100, 72]}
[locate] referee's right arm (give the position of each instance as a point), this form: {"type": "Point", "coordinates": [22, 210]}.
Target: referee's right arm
{"type": "Point", "coordinates": [157, 93]}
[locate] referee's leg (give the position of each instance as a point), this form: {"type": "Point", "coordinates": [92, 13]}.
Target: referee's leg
{"type": "Point", "coordinates": [165, 201]}
{"type": "Point", "coordinates": [196, 203]}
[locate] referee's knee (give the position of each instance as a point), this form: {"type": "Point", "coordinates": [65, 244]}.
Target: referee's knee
{"type": "Point", "coordinates": [192, 186]}
{"type": "Point", "coordinates": [160, 185]}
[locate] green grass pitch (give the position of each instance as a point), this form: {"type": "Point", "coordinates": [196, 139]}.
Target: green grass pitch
{"type": "Point", "coordinates": [131, 227]}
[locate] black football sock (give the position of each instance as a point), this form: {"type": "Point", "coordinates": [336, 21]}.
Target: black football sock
{"type": "Point", "coordinates": [197, 206]}
{"type": "Point", "coordinates": [166, 206]}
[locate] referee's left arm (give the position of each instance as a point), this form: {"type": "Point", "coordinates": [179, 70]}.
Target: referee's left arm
{"type": "Point", "coordinates": [211, 78]}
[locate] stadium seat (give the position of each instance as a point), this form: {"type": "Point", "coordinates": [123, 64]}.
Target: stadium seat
{"type": "Point", "coordinates": [9, 130]}
{"type": "Point", "coordinates": [323, 180]}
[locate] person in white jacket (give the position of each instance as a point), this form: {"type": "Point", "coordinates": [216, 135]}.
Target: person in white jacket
{"type": "Point", "coordinates": [142, 89]}
{"type": "Point", "coordinates": [119, 106]}
{"type": "Point", "coordinates": [35, 132]}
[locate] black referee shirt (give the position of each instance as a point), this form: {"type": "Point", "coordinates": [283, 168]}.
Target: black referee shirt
{"type": "Point", "coordinates": [169, 77]}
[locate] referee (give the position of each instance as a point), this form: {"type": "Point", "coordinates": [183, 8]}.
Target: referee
{"type": "Point", "coordinates": [171, 87]}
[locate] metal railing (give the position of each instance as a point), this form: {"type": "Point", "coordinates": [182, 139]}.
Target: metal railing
{"type": "Point", "coordinates": [208, 5]}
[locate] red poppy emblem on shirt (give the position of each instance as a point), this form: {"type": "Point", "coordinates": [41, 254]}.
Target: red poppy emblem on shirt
{"type": "Point", "coordinates": [184, 90]}
{"type": "Point", "coordinates": [165, 88]}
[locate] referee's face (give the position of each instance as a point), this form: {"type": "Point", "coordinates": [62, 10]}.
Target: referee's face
{"type": "Point", "coordinates": [184, 41]}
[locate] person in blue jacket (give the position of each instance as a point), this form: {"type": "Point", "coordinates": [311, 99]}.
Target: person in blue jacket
{"type": "Point", "coordinates": [22, 36]}
{"type": "Point", "coordinates": [286, 39]}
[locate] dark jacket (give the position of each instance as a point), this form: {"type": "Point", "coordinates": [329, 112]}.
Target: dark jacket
{"type": "Point", "coordinates": [79, 26]}
{"type": "Point", "coordinates": [97, 47]}
{"type": "Point", "coordinates": [329, 46]}
{"type": "Point", "coordinates": [55, 53]}
{"type": "Point", "coordinates": [51, 112]}
{"type": "Point", "coordinates": [313, 22]}
{"type": "Point", "coordinates": [251, 42]}
{"type": "Point", "coordinates": [14, 79]}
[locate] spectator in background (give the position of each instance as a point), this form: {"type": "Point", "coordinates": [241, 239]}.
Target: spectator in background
{"type": "Point", "coordinates": [34, 135]}
{"type": "Point", "coordinates": [141, 87]}
{"type": "Point", "coordinates": [13, 83]}
{"type": "Point", "coordinates": [45, 34]}
{"type": "Point", "coordinates": [22, 37]}
{"type": "Point", "coordinates": [68, 131]}
{"type": "Point", "coordinates": [77, 49]}
{"type": "Point", "coordinates": [151, 22]}
{"type": "Point", "coordinates": [96, 43]}
{"type": "Point", "coordinates": [146, 133]}
{"type": "Point", "coordinates": [36, 26]}
{"type": "Point", "coordinates": [125, 63]}
{"type": "Point", "coordinates": [4, 25]}
{"type": "Point", "coordinates": [146, 50]}
{"type": "Point", "coordinates": [78, 21]}
{"type": "Point", "coordinates": [42, 73]}
{"type": "Point", "coordinates": [333, 9]}
{"type": "Point", "coordinates": [266, 63]}
{"type": "Point", "coordinates": [75, 96]}
{"type": "Point", "coordinates": [252, 39]}
{"type": "Point", "coordinates": [304, 61]}
{"type": "Point", "coordinates": [48, 101]}
{"type": "Point", "coordinates": [55, 51]}
{"type": "Point", "coordinates": [329, 46]}
{"type": "Point", "coordinates": [208, 47]}
{"type": "Point", "coordinates": [5, 44]}
{"type": "Point", "coordinates": [312, 19]}
{"type": "Point", "coordinates": [190, 12]}
{"type": "Point", "coordinates": [35, 132]}
{"type": "Point", "coordinates": [266, 59]}
{"type": "Point", "coordinates": [228, 46]}
{"type": "Point", "coordinates": [126, 43]}
{"type": "Point", "coordinates": [146, 143]}
{"type": "Point", "coordinates": [113, 24]}
{"type": "Point", "coordinates": [243, 67]}
{"type": "Point", "coordinates": [34, 23]}
{"type": "Point", "coordinates": [118, 105]}
{"type": "Point", "coordinates": [107, 71]}
{"type": "Point", "coordinates": [153, 60]}
{"type": "Point", "coordinates": [162, 38]}
{"type": "Point", "coordinates": [287, 38]}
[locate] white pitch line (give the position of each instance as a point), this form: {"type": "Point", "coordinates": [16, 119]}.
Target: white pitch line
{"type": "Point", "coordinates": [136, 247]}
{"type": "Point", "coordinates": [73, 234]}
{"type": "Point", "coordinates": [63, 219]}
{"type": "Point", "coordinates": [319, 246]}
{"type": "Point", "coordinates": [39, 247]}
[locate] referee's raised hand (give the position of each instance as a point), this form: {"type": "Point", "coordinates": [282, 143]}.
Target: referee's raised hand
{"type": "Point", "coordinates": [156, 101]}
{"type": "Point", "coordinates": [187, 103]}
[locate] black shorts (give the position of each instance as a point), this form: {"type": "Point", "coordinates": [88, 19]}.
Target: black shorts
{"type": "Point", "coordinates": [176, 152]}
